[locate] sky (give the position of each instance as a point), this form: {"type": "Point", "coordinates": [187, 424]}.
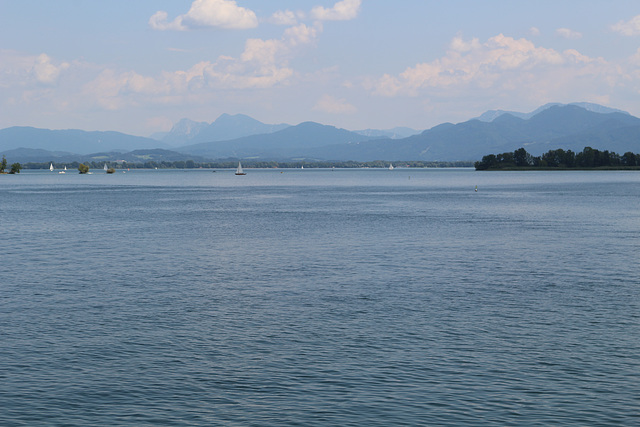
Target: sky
{"type": "Point", "coordinates": [140, 66]}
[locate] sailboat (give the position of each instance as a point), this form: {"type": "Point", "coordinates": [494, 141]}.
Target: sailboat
{"type": "Point", "coordinates": [105, 167]}
{"type": "Point", "coordinates": [239, 171]}
{"type": "Point", "coordinates": [390, 167]}
{"type": "Point", "coordinates": [51, 167]}
{"type": "Point", "coordinates": [64, 171]}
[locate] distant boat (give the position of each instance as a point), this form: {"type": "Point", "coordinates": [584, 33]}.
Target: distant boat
{"type": "Point", "coordinates": [105, 167]}
{"type": "Point", "coordinates": [239, 171]}
{"type": "Point", "coordinates": [64, 171]}
{"type": "Point", "coordinates": [302, 167]}
{"type": "Point", "coordinates": [51, 167]}
{"type": "Point", "coordinates": [390, 167]}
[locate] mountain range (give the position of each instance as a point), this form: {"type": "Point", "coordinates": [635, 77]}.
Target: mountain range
{"type": "Point", "coordinates": [226, 127]}
{"type": "Point", "coordinates": [552, 126]}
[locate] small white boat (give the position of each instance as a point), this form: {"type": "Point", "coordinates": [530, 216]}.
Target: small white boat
{"type": "Point", "coordinates": [239, 171]}
{"type": "Point", "coordinates": [390, 167]}
{"type": "Point", "coordinates": [105, 167]}
{"type": "Point", "coordinates": [51, 167]}
{"type": "Point", "coordinates": [64, 171]}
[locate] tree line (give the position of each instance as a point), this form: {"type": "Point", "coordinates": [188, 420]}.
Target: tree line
{"type": "Point", "coordinates": [588, 158]}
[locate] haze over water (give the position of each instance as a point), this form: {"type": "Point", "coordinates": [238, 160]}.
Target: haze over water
{"type": "Point", "coordinates": [319, 297]}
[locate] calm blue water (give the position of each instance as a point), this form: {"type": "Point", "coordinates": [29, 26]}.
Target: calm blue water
{"type": "Point", "coordinates": [312, 297]}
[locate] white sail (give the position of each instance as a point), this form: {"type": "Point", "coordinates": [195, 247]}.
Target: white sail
{"type": "Point", "coordinates": [105, 167]}
{"type": "Point", "coordinates": [390, 167]}
{"type": "Point", "coordinates": [51, 167]}
{"type": "Point", "coordinates": [239, 171]}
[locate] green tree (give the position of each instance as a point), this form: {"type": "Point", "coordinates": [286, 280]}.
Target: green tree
{"type": "Point", "coordinates": [629, 159]}
{"type": "Point", "coordinates": [522, 158]}
{"type": "Point", "coordinates": [505, 159]}
{"type": "Point", "coordinates": [3, 165]}
{"type": "Point", "coordinates": [586, 158]}
{"type": "Point", "coordinates": [15, 168]}
{"type": "Point", "coordinates": [83, 168]}
{"type": "Point", "coordinates": [569, 159]}
{"type": "Point", "coordinates": [487, 162]}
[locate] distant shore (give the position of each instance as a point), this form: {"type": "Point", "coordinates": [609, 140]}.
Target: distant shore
{"type": "Point", "coordinates": [228, 164]}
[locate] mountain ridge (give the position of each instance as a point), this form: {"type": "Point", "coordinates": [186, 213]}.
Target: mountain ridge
{"type": "Point", "coordinates": [491, 115]}
{"type": "Point", "coordinates": [566, 126]}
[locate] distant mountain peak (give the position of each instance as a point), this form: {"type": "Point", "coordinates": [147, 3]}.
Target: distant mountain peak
{"type": "Point", "coordinates": [188, 126]}
{"type": "Point", "coordinates": [227, 118]}
{"type": "Point", "coordinates": [491, 115]}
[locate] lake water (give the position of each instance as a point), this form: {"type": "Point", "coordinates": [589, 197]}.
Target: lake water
{"type": "Point", "coordinates": [319, 297]}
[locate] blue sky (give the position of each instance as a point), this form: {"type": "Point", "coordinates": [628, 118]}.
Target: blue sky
{"type": "Point", "coordinates": [140, 66]}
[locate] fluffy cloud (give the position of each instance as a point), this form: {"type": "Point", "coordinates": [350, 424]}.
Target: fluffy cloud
{"type": "Point", "coordinates": [26, 70]}
{"type": "Point", "coordinates": [207, 13]}
{"type": "Point", "coordinates": [341, 11]}
{"type": "Point", "coordinates": [285, 17]}
{"type": "Point", "coordinates": [628, 28]}
{"type": "Point", "coordinates": [42, 81]}
{"type": "Point", "coordinates": [501, 69]}
{"type": "Point", "coordinates": [329, 104]}
{"type": "Point", "coordinates": [45, 71]}
{"type": "Point", "coordinates": [500, 61]}
{"type": "Point", "coordinates": [568, 34]}
{"type": "Point", "coordinates": [262, 64]}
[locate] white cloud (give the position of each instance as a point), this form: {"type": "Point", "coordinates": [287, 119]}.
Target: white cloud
{"type": "Point", "coordinates": [25, 70]}
{"type": "Point", "coordinates": [501, 63]}
{"type": "Point", "coordinates": [534, 31]}
{"type": "Point", "coordinates": [341, 11]}
{"type": "Point", "coordinates": [159, 22]}
{"type": "Point", "coordinates": [628, 28]}
{"type": "Point", "coordinates": [330, 104]}
{"type": "Point", "coordinates": [262, 64]}
{"type": "Point", "coordinates": [284, 17]}
{"type": "Point", "coordinates": [568, 34]}
{"type": "Point", "coordinates": [207, 13]}
{"type": "Point", "coordinates": [459, 45]}
{"type": "Point", "coordinates": [45, 71]}
{"type": "Point", "coordinates": [301, 34]}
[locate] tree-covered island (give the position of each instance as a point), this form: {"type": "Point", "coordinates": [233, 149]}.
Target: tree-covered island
{"type": "Point", "coordinates": [15, 167]}
{"type": "Point", "coordinates": [588, 158]}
